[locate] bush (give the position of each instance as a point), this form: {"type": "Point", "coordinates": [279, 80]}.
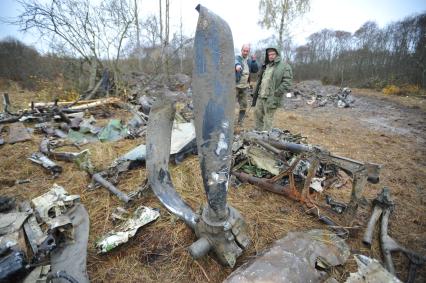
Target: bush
{"type": "Point", "coordinates": [411, 89]}
{"type": "Point", "coordinates": [391, 90]}
{"type": "Point", "coordinates": [51, 89]}
{"type": "Point", "coordinates": [406, 89]}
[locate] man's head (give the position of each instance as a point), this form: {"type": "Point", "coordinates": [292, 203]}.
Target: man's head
{"type": "Point", "coordinates": [272, 54]}
{"type": "Point", "coordinates": [245, 50]}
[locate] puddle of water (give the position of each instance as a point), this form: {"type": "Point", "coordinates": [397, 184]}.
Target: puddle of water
{"type": "Point", "coordinates": [381, 123]}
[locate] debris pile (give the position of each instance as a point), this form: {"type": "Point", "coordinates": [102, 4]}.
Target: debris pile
{"type": "Point", "coordinates": [285, 164]}
{"type": "Point", "coordinates": [47, 237]}
{"type": "Point", "coordinates": [318, 95]}
{"type": "Point", "coordinates": [145, 89]}
{"type": "Point", "coordinates": [141, 84]}
{"type": "Point", "coordinates": [278, 160]}
{"type": "Point", "coordinates": [297, 170]}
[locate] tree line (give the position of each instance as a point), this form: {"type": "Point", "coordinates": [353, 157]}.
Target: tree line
{"type": "Point", "coordinates": [88, 41]}
{"type": "Point", "coordinates": [370, 57]}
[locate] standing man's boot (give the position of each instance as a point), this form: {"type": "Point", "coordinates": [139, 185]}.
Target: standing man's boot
{"type": "Point", "coordinates": [241, 116]}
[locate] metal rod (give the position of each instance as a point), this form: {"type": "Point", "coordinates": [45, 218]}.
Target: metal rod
{"type": "Point", "coordinates": [110, 187]}
{"type": "Point", "coordinates": [264, 184]}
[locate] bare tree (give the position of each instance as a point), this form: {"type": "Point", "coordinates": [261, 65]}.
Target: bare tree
{"type": "Point", "coordinates": [279, 14]}
{"type": "Point", "coordinates": [151, 31]}
{"type": "Point", "coordinates": [164, 37]}
{"type": "Point", "coordinates": [115, 20]}
{"type": "Point", "coordinates": [93, 33]}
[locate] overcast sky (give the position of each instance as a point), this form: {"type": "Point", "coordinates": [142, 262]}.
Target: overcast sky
{"type": "Point", "coordinates": [242, 16]}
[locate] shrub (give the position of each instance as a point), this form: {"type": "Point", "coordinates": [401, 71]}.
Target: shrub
{"type": "Point", "coordinates": [391, 90]}
{"type": "Point", "coordinates": [411, 89]}
{"type": "Point", "coordinates": [406, 89]}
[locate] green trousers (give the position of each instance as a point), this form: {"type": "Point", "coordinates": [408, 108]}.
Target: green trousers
{"type": "Point", "coordinates": [242, 98]}
{"type": "Point", "coordinates": [264, 115]}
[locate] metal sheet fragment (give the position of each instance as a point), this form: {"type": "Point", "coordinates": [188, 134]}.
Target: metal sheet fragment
{"type": "Point", "coordinates": [142, 216]}
{"type": "Point", "coordinates": [18, 133]}
{"type": "Point", "coordinates": [71, 257]}
{"type": "Point", "coordinates": [294, 258]}
{"type": "Point", "coordinates": [370, 271]}
{"type": "Point", "coordinates": [11, 222]}
{"type": "Point", "coordinates": [263, 159]}
{"type": "Point", "coordinates": [53, 203]}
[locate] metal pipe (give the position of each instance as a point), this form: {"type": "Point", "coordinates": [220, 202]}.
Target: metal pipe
{"type": "Point", "coordinates": [110, 187]}
{"type": "Point", "coordinates": [387, 243]}
{"type": "Point", "coordinates": [264, 184]}
{"type": "Point", "coordinates": [200, 248]}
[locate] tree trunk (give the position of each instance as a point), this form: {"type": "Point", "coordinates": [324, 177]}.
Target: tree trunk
{"type": "Point", "coordinates": [138, 38]}
{"type": "Point", "coordinates": [93, 69]}
{"type": "Point", "coordinates": [161, 23]}
{"type": "Point", "coordinates": [81, 76]}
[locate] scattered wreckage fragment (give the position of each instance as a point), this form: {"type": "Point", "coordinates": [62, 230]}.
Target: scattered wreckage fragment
{"type": "Point", "coordinates": [267, 184]}
{"type": "Point", "coordinates": [142, 216]}
{"type": "Point", "coordinates": [16, 132]}
{"type": "Point", "coordinates": [317, 95]}
{"type": "Point", "coordinates": [298, 257]}
{"type": "Point", "coordinates": [53, 203]}
{"type": "Point", "coordinates": [49, 130]}
{"type": "Point", "coordinates": [46, 163]}
{"type": "Point", "coordinates": [80, 158]}
{"type": "Point", "coordinates": [38, 114]}
{"type": "Point", "coordinates": [11, 265]}
{"type": "Point", "coordinates": [297, 170]}
{"type": "Point", "coordinates": [383, 206]}
{"type": "Point", "coordinates": [182, 144]}
{"type": "Point", "coordinates": [219, 227]}
{"type": "Point", "coordinates": [69, 260]}
{"type": "Point", "coordinates": [97, 178]}
{"type": "Point", "coordinates": [40, 243]}
{"type": "Point", "coordinates": [7, 203]}
{"type": "Point", "coordinates": [370, 271]}
{"type": "Point", "coordinates": [303, 161]}
{"type": "Point", "coordinates": [63, 242]}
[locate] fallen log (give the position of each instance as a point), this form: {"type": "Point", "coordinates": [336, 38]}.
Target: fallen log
{"type": "Point", "coordinates": [80, 105]}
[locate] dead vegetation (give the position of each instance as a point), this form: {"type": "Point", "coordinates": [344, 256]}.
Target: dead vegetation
{"type": "Point", "coordinates": [158, 251]}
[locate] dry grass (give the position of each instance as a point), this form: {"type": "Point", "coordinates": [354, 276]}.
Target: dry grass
{"type": "Point", "coordinates": [158, 251]}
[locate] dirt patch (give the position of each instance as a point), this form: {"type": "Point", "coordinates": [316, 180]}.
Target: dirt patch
{"type": "Point", "coordinates": [389, 131]}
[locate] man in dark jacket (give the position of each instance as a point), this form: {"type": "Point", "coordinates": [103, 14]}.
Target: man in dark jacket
{"type": "Point", "coordinates": [243, 67]}
{"type": "Point", "coordinates": [275, 79]}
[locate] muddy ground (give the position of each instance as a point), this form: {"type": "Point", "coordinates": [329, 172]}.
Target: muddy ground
{"type": "Point", "coordinates": [381, 129]}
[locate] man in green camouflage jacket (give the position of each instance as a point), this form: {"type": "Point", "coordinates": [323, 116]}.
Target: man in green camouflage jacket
{"type": "Point", "coordinates": [275, 79]}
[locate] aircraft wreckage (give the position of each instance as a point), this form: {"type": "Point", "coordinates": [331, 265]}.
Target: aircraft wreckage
{"type": "Point", "coordinates": [276, 161]}
{"type": "Point", "coordinates": [219, 227]}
